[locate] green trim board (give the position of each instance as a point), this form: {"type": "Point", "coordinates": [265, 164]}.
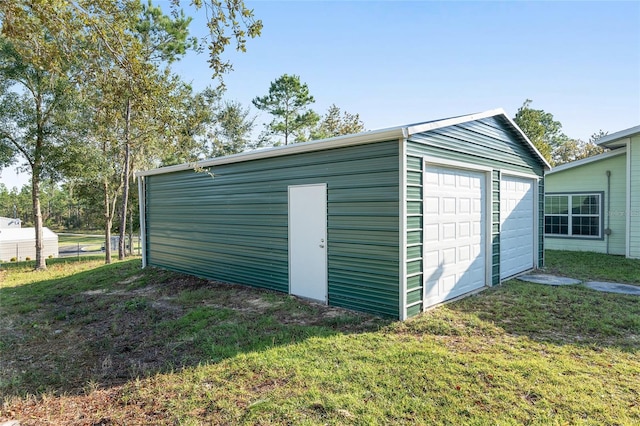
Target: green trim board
{"type": "Point", "coordinates": [541, 241]}
{"type": "Point", "coordinates": [415, 243]}
{"type": "Point", "coordinates": [495, 227]}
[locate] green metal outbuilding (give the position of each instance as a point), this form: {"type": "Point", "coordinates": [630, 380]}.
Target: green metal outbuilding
{"type": "Point", "coordinates": [389, 222]}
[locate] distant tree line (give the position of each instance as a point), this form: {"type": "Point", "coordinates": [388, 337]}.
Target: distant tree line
{"type": "Point", "coordinates": [88, 97]}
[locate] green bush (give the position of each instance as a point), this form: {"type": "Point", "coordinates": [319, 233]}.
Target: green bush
{"type": "Point", "coordinates": [27, 258]}
{"type": "Point", "coordinates": [13, 259]}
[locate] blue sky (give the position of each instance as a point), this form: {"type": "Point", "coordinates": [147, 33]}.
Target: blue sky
{"type": "Point", "coordinates": [404, 62]}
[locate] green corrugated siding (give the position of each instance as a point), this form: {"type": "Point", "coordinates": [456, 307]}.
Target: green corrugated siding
{"type": "Point", "coordinates": [414, 310]}
{"type": "Point", "coordinates": [495, 227]}
{"type": "Point", "coordinates": [487, 142]}
{"type": "Point", "coordinates": [414, 236]}
{"type": "Point", "coordinates": [234, 227]}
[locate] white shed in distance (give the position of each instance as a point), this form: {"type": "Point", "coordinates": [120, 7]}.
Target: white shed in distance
{"type": "Point", "coordinates": [8, 222]}
{"type": "Point", "coordinates": [20, 243]}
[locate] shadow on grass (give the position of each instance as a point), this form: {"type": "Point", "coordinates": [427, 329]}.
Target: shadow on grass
{"type": "Point", "coordinates": [568, 315]}
{"type": "Point", "coordinates": [106, 325]}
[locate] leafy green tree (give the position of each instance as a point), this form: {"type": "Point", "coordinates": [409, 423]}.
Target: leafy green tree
{"type": "Point", "coordinates": [546, 134]}
{"type": "Point", "coordinates": [234, 127]}
{"type": "Point", "coordinates": [574, 149]}
{"type": "Point", "coordinates": [597, 136]}
{"type": "Point", "coordinates": [288, 101]}
{"type": "Point", "coordinates": [230, 21]}
{"type": "Point", "coordinates": [337, 123]}
{"type": "Point", "coordinates": [36, 93]}
{"type": "Point", "coordinates": [541, 129]}
{"type": "Point", "coordinates": [61, 46]}
{"type": "Point", "coordinates": [187, 127]}
{"type": "Point", "coordinates": [17, 203]}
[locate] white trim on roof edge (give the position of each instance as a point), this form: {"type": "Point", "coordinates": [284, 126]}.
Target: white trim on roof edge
{"type": "Point", "coordinates": [319, 145]}
{"type": "Point", "coordinates": [588, 160]}
{"type": "Point", "coordinates": [439, 124]}
{"type": "Point", "coordinates": [400, 132]}
{"type": "Point", "coordinates": [531, 145]}
{"type": "Point", "coordinates": [614, 137]}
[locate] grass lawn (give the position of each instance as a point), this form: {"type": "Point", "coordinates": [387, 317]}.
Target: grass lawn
{"type": "Point", "coordinates": [73, 239]}
{"type": "Point", "coordinates": [88, 242]}
{"type": "Point", "coordinates": [593, 266]}
{"type": "Point", "coordinates": [85, 343]}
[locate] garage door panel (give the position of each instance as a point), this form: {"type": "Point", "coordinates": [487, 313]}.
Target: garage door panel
{"type": "Point", "coordinates": [455, 260]}
{"type": "Point", "coordinates": [432, 232]}
{"type": "Point", "coordinates": [449, 231]}
{"type": "Point", "coordinates": [449, 205]}
{"type": "Point", "coordinates": [464, 229]}
{"type": "Point", "coordinates": [517, 228]}
{"type": "Point", "coordinates": [431, 206]}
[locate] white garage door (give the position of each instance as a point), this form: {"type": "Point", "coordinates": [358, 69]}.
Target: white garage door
{"type": "Point", "coordinates": [517, 226]}
{"type": "Point", "coordinates": [454, 232]}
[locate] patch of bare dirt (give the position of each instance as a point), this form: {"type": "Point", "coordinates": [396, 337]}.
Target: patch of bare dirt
{"type": "Point", "coordinates": [100, 407]}
{"type": "Point", "coordinates": [131, 279]}
{"type": "Point", "coordinates": [76, 351]}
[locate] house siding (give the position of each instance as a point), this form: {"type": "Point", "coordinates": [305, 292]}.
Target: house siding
{"type": "Point", "coordinates": [486, 142]}
{"type": "Point", "coordinates": [233, 226]}
{"type": "Point", "coordinates": [634, 194]}
{"type": "Point", "coordinates": [592, 177]}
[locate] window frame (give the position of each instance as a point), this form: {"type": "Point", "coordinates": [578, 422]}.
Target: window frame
{"type": "Point", "coordinates": [570, 215]}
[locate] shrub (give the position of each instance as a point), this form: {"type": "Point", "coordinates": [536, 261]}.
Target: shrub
{"type": "Point", "coordinates": [27, 258]}
{"type": "Point", "coordinates": [13, 259]}
{"type": "Point", "coordinates": [50, 256]}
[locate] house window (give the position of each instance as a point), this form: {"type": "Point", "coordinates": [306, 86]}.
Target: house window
{"type": "Point", "coordinates": [573, 215]}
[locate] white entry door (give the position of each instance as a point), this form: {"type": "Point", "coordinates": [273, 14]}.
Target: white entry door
{"type": "Point", "coordinates": [308, 241]}
{"type": "Point", "coordinates": [454, 232]}
{"type": "Point", "coordinates": [517, 214]}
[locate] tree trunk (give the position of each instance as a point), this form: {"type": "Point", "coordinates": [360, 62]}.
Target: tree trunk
{"type": "Point", "coordinates": [125, 189]}
{"type": "Point", "coordinates": [130, 232]}
{"type": "Point", "coordinates": [36, 172]}
{"type": "Point", "coordinates": [41, 262]}
{"type": "Point", "coordinates": [107, 225]}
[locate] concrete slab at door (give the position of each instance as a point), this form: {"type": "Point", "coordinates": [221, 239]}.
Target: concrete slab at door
{"type": "Point", "coordinates": [308, 241]}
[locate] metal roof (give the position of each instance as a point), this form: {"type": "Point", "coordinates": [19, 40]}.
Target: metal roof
{"type": "Point", "coordinates": [614, 140]}
{"type": "Point", "coordinates": [398, 132]}
{"type": "Point", "coordinates": [25, 234]}
{"type": "Point", "coordinates": [588, 160]}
